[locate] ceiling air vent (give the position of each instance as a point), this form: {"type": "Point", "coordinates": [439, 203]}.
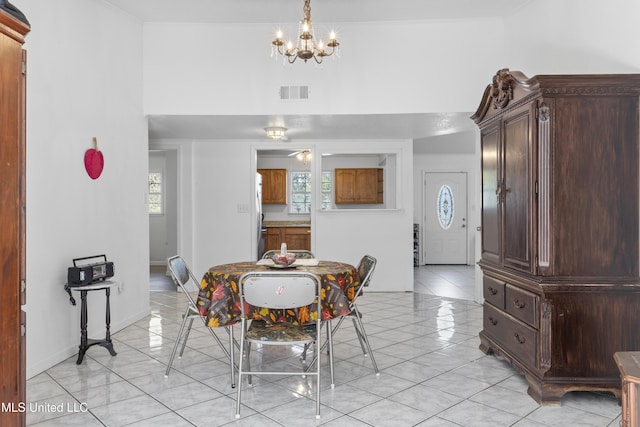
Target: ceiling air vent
{"type": "Point", "coordinates": [294, 92]}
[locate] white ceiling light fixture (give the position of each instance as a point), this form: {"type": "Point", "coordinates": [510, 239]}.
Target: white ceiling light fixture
{"type": "Point", "coordinates": [276, 132]}
{"type": "Point", "coordinates": [307, 46]}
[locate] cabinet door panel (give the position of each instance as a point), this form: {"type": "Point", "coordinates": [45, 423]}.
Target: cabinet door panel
{"type": "Point", "coordinates": [273, 239]}
{"type": "Point", "coordinates": [517, 200]}
{"type": "Point", "coordinates": [367, 185]}
{"type": "Point", "coordinates": [279, 186]}
{"type": "Point", "coordinates": [345, 181]}
{"type": "Point", "coordinates": [596, 169]}
{"type": "Point", "coordinates": [298, 238]}
{"type": "Point", "coordinates": [274, 186]}
{"type": "Point", "coordinates": [490, 198]}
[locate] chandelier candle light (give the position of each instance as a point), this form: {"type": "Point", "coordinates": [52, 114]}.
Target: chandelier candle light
{"type": "Point", "coordinates": [307, 46]}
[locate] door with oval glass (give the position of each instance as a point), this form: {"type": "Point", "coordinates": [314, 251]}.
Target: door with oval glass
{"type": "Point", "coordinates": [445, 218]}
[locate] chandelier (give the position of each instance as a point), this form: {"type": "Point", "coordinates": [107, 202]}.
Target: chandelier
{"type": "Point", "coordinates": [307, 46]}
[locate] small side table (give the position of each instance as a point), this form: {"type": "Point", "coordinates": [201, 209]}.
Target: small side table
{"type": "Point", "coordinates": [85, 343]}
{"type": "Point", "coordinates": [629, 365]}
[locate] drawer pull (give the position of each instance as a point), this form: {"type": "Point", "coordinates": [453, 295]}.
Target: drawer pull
{"type": "Point", "coordinates": [519, 339]}
{"type": "Point", "coordinates": [492, 290]}
{"type": "Point", "coordinates": [518, 304]}
{"type": "Point", "coordinates": [493, 321]}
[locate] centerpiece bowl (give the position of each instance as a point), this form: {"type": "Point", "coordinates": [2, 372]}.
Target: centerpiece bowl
{"type": "Point", "coordinates": [284, 260]}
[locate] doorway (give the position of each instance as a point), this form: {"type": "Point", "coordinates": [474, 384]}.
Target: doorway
{"type": "Point", "coordinates": [163, 225]}
{"type": "Point", "coordinates": [445, 218]}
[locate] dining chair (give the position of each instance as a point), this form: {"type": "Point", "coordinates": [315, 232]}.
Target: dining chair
{"type": "Point", "coordinates": [285, 290]}
{"type": "Point", "coordinates": [300, 253]}
{"type": "Point", "coordinates": [181, 275]}
{"type": "Point", "coordinates": [365, 270]}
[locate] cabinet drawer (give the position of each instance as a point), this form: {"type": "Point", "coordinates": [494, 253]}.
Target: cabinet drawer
{"type": "Point", "coordinates": [493, 291]}
{"type": "Point", "coordinates": [520, 340]}
{"type": "Point", "coordinates": [522, 305]}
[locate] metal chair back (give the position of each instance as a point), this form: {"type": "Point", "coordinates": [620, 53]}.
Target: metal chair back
{"type": "Point", "coordinates": [278, 290]}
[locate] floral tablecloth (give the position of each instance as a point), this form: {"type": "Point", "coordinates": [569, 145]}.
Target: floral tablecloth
{"type": "Point", "coordinates": [219, 298]}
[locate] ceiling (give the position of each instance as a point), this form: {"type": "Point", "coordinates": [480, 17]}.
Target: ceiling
{"type": "Point", "coordinates": [267, 11]}
{"type": "Point", "coordinates": [391, 126]}
{"type": "Point", "coordinates": [307, 127]}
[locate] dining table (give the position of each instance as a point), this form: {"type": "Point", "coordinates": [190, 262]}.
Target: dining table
{"type": "Point", "coordinates": [219, 294]}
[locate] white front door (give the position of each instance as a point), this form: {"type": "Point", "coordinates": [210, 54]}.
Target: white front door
{"type": "Point", "coordinates": [445, 218]}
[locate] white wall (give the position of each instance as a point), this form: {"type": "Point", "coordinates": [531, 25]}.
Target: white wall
{"type": "Point", "coordinates": [84, 81]}
{"type": "Point", "coordinates": [386, 234]}
{"type": "Point", "coordinates": [574, 37]}
{"type": "Point", "coordinates": [396, 67]}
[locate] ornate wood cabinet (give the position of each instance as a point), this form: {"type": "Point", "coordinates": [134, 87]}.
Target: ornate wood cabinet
{"type": "Point", "coordinates": [13, 29]}
{"type": "Point", "coordinates": [560, 227]}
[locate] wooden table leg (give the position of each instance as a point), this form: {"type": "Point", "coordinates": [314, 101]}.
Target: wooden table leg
{"type": "Point", "coordinates": [632, 403]}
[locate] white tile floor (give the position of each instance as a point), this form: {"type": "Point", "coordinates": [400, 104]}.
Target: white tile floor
{"type": "Point", "coordinates": [425, 343]}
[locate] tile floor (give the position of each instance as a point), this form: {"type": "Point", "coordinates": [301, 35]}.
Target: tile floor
{"type": "Point", "coordinates": [425, 343]}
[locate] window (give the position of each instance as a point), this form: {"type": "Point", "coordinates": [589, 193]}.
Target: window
{"type": "Point", "coordinates": [446, 207]}
{"type": "Point", "coordinates": [301, 191]}
{"type": "Point", "coordinates": [155, 193]}
{"type": "Point", "coordinates": [327, 188]}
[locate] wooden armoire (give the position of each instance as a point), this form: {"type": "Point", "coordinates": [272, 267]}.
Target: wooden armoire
{"type": "Point", "coordinates": [560, 227]}
{"type": "Point", "coordinates": [13, 29]}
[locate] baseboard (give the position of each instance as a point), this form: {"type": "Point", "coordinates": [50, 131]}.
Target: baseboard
{"type": "Point", "coordinates": [72, 350]}
{"type": "Point", "coordinates": [157, 263]}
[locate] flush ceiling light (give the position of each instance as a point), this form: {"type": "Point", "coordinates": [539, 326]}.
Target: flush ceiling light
{"type": "Point", "coordinates": [307, 46]}
{"type": "Point", "coordinates": [276, 132]}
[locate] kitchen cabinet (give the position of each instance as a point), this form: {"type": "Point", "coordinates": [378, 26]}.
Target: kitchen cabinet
{"type": "Point", "coordinates": [359, 186]}
{"type": "Point", "coordinates": [13, 29]}
{"type": "Point", "coordinates": [274, 186]}
{"type": "Point", "coordinates": [560, 225]}
{"type": "Point", "coordinates": [294, 237]}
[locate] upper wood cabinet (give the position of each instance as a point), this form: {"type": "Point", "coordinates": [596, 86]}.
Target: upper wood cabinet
{"type": "Point", "coordinates": [359, 186]}
{"type": "Point", "coordinates": [274, 186]}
